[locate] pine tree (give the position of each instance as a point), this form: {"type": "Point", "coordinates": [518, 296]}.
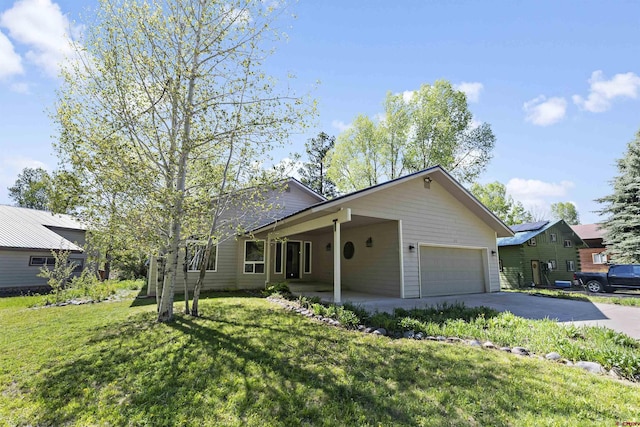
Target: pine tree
{"type": "Point", "coordinates": [622, 227]}
{"type": "Point", "coordinates": [314, 172]}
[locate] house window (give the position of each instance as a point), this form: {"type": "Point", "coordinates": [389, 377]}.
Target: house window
{"type": "Point", "coordinates": [552, 264]}
{"type": "Point", "coordinates": [277, 268]}
{"type": "Point", "coordinates": [600, 258]}
{"type": "Point", "coordinates": [195, 256]}
{"type": "Point", "coordinates": [532, 241]}
{"type": "Point", "coordinates": [568, 243]}
{"type": "Point", "coordinates": [49, 261]}
{"type": "Point", "coordinates": [307, 257]}
{"type": "Point", "coordinates": [41, 261]}
{"type": "Point", "coordinates": [553, 237]}
{"type": "Point", "coordinates": [254, 257]}
{"type": "Point", "coordinates": [571, 265]}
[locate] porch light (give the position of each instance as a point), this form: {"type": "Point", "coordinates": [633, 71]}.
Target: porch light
{"type": "Point", "coordinates": [411, 247]}
{"type": "Point", "coordinates": [493, 253]}
{"type": "Point", "coordinates": [328, 247]}
{"type": "Point", "coordinates": [369, 242]}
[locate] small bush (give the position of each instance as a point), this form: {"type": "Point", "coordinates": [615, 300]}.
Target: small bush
{"type": "Point", "coordinates": [280, 288]}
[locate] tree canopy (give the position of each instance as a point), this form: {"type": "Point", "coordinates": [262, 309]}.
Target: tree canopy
{"type": "Point", "coordinates": [165, 111]}
{"type": "Point", "coordinates": [494, 196]}
{"type": "Point", "coordinates": [566, 211]}
{"type": "Point", "coordinates": [31, 189]}
{"type": "Point", "coordinates": [622, 208]}
{"type": "Point", "coordinates": [432, 127]}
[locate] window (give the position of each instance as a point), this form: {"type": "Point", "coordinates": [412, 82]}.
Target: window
{"type": "Point", "coordinates": [41, 261]}
{"type": "Point", "coordinates": [348, 250]}
{"type": "Point", "coordinates": [568, 243]}
{"type": "Point", "coordinates": [307, 257]}
{"type": "Point", "coordinates": [553, 237]}
{"type": "Point", "coordinates": [254, 257]}
{"type": "Point", "coordinates": [600, 258]}
{"type": "Point", "coordinates": [552, 264]}
{"type": "Point", "coordinates": [49, 261]}
{"type": "Point", "coordinates": [195, 256]}
{"type": "Point", "coordinates": [277, 268]}
{"type": "Point", "coordinates": [532, 241]}
{"type": "Point", "coordinates": [571, 266]}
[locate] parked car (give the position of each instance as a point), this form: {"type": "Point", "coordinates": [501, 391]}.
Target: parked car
{"type": "Point", "coordinates": [618, 277]}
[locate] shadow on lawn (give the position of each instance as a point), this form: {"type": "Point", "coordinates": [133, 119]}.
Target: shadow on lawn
{"type": "Point", "coordinates": [272, 367]}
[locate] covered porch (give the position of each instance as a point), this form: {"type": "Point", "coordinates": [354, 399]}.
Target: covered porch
{"type": "Point", "coordinates": [335, 255]}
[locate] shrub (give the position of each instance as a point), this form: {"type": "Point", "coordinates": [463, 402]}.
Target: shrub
{"type": "Point", "coordinates": [279, 288]}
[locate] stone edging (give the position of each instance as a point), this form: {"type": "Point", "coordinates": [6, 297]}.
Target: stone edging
{"type": "Point", "coordinates": [592, 367]}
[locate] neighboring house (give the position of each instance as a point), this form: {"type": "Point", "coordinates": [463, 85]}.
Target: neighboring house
{"type": "Point", "coordinates": [415, 236]}
{"type": "Point", "coordinates": [594, 258]}
{"type": "Point", "coordinates": [27, 237]}
{"type": "Point", "coordinates": [539, 253]}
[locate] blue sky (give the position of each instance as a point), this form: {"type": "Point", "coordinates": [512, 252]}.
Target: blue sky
{"type": "Point", "coordinates": [559, 82]}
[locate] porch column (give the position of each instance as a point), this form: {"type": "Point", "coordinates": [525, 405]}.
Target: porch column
{"type": "Point", "coordinates": [336, 261]}
{"type": "Point", "coordinates": [267, 258]}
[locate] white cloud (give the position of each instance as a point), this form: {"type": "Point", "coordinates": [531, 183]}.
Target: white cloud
{"type": "Point", "coordinates": [602, 91]}
{"type": "Point", "coordinates": [537, 195]}
{"type": "Point", "coordinates": [340, 125]}
{"type": "Point", "coordinates": [10, 61]}
{"type": "Point", "coordinates": [40, 25]}
{"type": "Point", "coordinates": [407, 95]}
{"type": "Point", "coordinates": [544, 112]}
{"type": "Point", "coordinates": [471, 89]}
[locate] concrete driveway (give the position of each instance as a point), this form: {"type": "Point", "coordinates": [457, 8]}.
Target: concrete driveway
{"type": "Point", "coordinates": [619, 318]}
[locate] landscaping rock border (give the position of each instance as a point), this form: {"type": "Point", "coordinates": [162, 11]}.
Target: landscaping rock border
{"type": "Point", "coordinates": [592, 367]}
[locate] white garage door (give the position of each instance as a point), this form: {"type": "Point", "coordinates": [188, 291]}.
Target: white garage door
{"type": "Point", "coordinates": [451, 271]}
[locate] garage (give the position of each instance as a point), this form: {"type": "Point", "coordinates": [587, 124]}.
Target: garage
{"type": "Point", "coordinates": [451, 270]}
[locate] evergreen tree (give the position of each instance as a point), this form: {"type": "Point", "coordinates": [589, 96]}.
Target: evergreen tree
{"type": "Point", "coordinates": [622, 227]}
{"type": "Point", "coordinates": [314, 172]}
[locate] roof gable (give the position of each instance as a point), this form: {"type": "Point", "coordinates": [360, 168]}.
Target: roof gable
{"type": "Point", "coordinates": [436, 173]}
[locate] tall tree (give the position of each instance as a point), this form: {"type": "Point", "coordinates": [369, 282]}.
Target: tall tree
{"type": "Point", "coordinates": [162, 92]}
{"type": "Point", "coordinates": [433, 127]}
{"type": "Point", "coordinates": [566, 211]}
{"type": "Point", "coordinates": [622, 207]}
{"type": "Point", "coordinates": [356, 160]}
{"type": "Point", "coordinates": [494, 196]}
{"type": "Point", "coordinates": [314, 172]}
{"type": "Point", "coordinates": [443, 133]}
{"type": "Point", "coordinates": [31, 189]}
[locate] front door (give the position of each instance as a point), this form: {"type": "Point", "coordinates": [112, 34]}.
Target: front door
{"type": "Point", "coordinates": [535, 268]}
{"type": "Point", "coordinates": [292, 269]}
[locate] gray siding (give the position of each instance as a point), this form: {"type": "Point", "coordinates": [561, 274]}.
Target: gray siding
{"type": "Point", "coordinates": [74, 236]}
{"type": "Point", "coordinates": [15, 271]}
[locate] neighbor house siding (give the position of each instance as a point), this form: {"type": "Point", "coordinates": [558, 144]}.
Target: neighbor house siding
{"type": "Point", "coordinates": [74, 236]}
{"type": "Point", "coordinates": [511, 275]}
{"type": "Point", "coordinates": [430, 216]}
{"type": "Point", "coordinates": [16, 271]}
{"type": "Point", "coordinates": [586, 261]}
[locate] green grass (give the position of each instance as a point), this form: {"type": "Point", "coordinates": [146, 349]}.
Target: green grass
{"type": "Point", "coordinates": [249, 362]}
{"type": "Point", "coordinates": [611, 299]}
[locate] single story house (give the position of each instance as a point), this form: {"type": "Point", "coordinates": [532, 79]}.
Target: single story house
{"type": "Point", "coordinates": [593, 258]}
{"type": "Point", "coordinates": [539, 253]}
{"type": "Point", "coordinates": [416, 236]}
{"type": "Point", "coordinates": [27, 237]}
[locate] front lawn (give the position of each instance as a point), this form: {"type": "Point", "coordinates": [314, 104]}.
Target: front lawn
{"type": "Point", "coordinates": [247, 361]}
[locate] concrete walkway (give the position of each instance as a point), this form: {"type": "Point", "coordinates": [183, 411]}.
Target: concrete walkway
{"type": "Point", "coordinates": [619, 318]}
